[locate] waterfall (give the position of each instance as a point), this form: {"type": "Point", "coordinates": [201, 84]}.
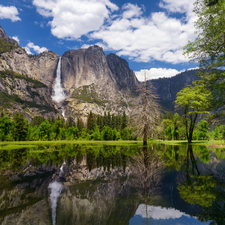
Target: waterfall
{"type": "Point", "coordinates": [59, 95]}
{"type": "Point", "coordinates": [56, 188]}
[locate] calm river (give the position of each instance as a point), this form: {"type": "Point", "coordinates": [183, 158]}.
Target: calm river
{"type": "Point", "coordinates": [112, 185]}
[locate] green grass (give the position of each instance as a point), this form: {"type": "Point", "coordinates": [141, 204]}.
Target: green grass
{"type": "Point", "coordinates": [29, 144]}
{"type": "Point", "coordinates": [195, 142]}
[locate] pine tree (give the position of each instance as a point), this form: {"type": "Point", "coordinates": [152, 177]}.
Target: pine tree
{"type": "Point", "coordinates": [123, 121]}
{"type": "Point", "coordinates": [90, 122]}
{"type": "Point", "coordinates": [113, 122]}
{"type": "Point", "coordinates": [109, 122]}
{"type": "Point", "coordinates": [80, 124]}
{"type": "Point", "coordinates": [20, 129]}
{"type": "Point", "coordinates": [105, 119]}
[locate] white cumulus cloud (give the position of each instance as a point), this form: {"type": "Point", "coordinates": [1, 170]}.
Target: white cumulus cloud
{"type": "Point", "coordinates": [155, 73]}
{"type": "Point", "coordinates": [159, 36]}
{"type": "Point", "coordinates": [35, 48]}
{"type": "Point", "coordinates": [9, 12]}
{"type": "Point", "coordinates": [16, 38]}
{"type": "Point", "coordinates": [74, 18]}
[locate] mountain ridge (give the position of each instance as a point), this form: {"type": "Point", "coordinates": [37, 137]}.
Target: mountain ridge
{"type": "Point", "coordinates": [92, 81]}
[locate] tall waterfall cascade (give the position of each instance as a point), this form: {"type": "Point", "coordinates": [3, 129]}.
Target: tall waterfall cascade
{"type": "Point", "coordinates": [59, 95]}
{"type": "Point", "coordinates": [56, 188]}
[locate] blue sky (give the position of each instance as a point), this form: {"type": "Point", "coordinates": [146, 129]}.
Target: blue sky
{"type": "Point", "coordinates": [149, 34]}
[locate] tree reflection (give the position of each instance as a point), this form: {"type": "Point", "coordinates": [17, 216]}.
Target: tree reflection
{"type": "Point", "coordinates": [197, 188]}
{"type": "Point", "coordinates": [147, 169]}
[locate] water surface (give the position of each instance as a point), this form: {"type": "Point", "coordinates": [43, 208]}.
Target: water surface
{"type": "Point", "coordinates": [105, 184]}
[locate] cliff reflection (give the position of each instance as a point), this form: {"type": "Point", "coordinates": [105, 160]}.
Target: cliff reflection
{"type": "Point", "coordinates": [110, 184]}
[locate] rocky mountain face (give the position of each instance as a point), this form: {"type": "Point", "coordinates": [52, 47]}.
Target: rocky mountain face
{"type": "Point", "coordinates": [167, 88]}
{"type": "Point", "coordinates": [25, 95]}
{"type": "Point", "coordinates": [96, 82]}
{"type": "Point", "coordinates": [4, 36]}
{"type": "Point", "coordinates": [92, 81]}
{"type": "Point", "coordinates": [41, 67]}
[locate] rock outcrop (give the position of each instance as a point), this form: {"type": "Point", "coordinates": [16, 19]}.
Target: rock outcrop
{"type": "Point", "coordinates": [85, 67]}
{"type": "Point", "coordinates": [124, 76]}
{"type": "Point", "coordinates": [25, 95]}
{"type": "Point", "coordinates": [96, 82]}
{"type": "Point", "coordinates": [7, 38]}
{"type": "Point", "coordinates": [167, 88]}
{"type": "Point", "coordinates": [42, 67]}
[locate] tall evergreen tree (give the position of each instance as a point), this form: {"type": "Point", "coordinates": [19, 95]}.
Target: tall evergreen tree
{"type": "Point", "coordinates": [90, 122]}
{"type": "Point", "coordinates": [80, 124]}
{"type": "Point", "coordinates": [113, 122]}
{"type": "Point", "coordinates": [109, 122]}
{"type": "Point", "coordinates": [105, 119]}
{"type": "Point", "coordinates": [123, 121]}
{"type": "Point", "coordinates": [20, 128]}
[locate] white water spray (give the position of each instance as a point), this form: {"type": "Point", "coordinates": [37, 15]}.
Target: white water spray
{"type": "Point", "coordinates": [56, 189]}
{"type": "Point", "coordinates": [59, 95]}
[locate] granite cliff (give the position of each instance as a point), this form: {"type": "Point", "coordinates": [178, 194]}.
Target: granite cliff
{"type": "Point", "coordinates": [41, 67]}
{"type": "Point", "coordinates": [25, 95]}
{"type": "Point", "coordinates": [167, 88]}
{"type": "Point", "coordinates": [91, 80]}
{"type": "Point", "coordinates": [94, 81]}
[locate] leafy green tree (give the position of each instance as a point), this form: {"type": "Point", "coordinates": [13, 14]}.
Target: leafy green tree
{"type": "Point", "coordinates": [44, 130]}
{"type": "Point", "coordinates": [37, 120]}
{"type": "Point", "coordinates": [222, 131]}
{"type": "Point", "coordinates": [62, 133]}
{"type": "Point", "coordinates": [56, 128]}
{"type": "Point", "coordinates": [97, 134]}
{"type": "Point", "coordinates": [20, 127]}
{"type": "Point", "coordinates": [203, 128]}
{"type": "Point", "coordinates": [208, 50]}
{"type": "Point", "coordinates": [216, 133]}
{"type": "Point", "coordinates": [72, 133]}
{"type": "Point", "coordinates": [5, 128]}
{"type": "Point", "coordinates": [107, 133]}
{"type": "Point", "coordinates": [192, 101]}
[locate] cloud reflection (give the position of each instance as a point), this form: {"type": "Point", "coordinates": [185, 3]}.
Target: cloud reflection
{"type": "Point", "coordinates": [157, 212]}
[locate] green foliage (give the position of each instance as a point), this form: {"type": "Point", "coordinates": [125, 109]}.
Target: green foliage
{"type": "Point", "coordinates": [91, 123]}
{"type": "Point", "coordinates": [203, 128]}
{"type": "Point", "coordinates": [193, 101]}
{"type": "Point", "coordinates": [6, 46]}
{"type": "Point", "coordinates": [13, 75]}
{"type": "Point", "coordinates": [44, 130]}
{"type": "Point", "coordinates": [123, 121]}
{"type": "Point", "coordinates": [199, 192]}
{"type": "Point", "coordinates": [88, 94]}
{"type": "Point", "coordinates": [20, 127]}
{"type": "Point", "coordinates": [5, 128]}
{"type": "Point", "coordinates": [37, 120]}
{"type": "Point", "coordinates": [208, 50]}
